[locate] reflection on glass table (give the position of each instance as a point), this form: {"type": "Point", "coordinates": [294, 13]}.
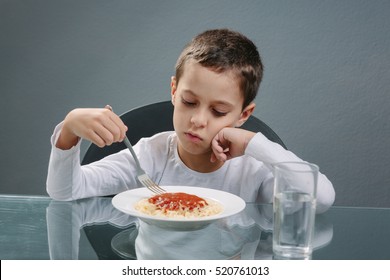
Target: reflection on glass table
{"type": "Point", "coordinates": [40, 228]}
{"type": "Point", "coordinates": [243, 236]}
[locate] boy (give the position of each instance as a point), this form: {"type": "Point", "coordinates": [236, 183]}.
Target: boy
{"type": "Point", "coordinates": [217, 78]}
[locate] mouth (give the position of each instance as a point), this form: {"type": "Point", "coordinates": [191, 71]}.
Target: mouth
{"type": "Point", "coordinates": [193, 137]}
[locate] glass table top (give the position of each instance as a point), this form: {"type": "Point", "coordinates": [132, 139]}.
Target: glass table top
{"type": "Point", "coordinates": [41, 228]}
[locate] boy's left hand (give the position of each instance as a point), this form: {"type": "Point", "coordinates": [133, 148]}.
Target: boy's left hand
{"type": "Point", "coordinates": [229, 143]}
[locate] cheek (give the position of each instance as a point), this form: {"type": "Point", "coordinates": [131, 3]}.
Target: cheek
{"type": "Point", "coordinates": [230, 120]}
{"type": "Point", "coordinates": [175, 119]}
{"type": "Point", "coordinates": [217, 124]}
{"type": "Point", "coordinates": [179, 115]}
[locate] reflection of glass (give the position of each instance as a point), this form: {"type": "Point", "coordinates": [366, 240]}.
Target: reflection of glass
{"type": "Point", "coordinates": [322, 236]}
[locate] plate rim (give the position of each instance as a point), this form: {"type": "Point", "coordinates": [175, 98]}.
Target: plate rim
{"type": "Point", "coordinates": [239, 202]}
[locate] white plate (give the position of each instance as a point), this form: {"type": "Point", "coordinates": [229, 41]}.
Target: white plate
{"type": "Point", "coordinates": [231, 203]}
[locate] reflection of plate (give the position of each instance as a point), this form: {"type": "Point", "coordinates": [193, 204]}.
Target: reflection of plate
{"type": "Point", "coordinates": [231, 203]}
{"type": "Point", "coordinates": [123, 243]}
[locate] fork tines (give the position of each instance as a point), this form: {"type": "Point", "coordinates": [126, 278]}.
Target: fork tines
{"type": "Point", "coordinates": [151, 185]}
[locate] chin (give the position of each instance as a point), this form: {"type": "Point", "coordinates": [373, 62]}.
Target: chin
{"type": "Point", "coordinates": [194, 149]}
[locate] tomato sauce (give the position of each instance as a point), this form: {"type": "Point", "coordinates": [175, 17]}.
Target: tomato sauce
{"type": "Point", "coordinates": [177, 201]}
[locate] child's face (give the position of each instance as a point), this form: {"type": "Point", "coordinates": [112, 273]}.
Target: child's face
{"type": "Point", "coordinates": [204, 103]}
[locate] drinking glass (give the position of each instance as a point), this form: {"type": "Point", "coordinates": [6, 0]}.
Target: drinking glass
{"type": "Point", "coordinates": [294, 209]}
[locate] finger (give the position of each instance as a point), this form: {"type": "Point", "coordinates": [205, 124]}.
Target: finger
{"type": "Point", "coordinates": [95, 138]}
{"type": "Point", "coordinates": [118, 121]}
{"type": "Point", "coordinates": [110, 128]}
{"type": "Point", "coordinates": [104, 134]}
{"type": "Point", "coordinates": [222, 157]}
{"type": "Point", "coordinates": [215, 146]}
{"type": "Point", "coordinates": [120, 125]}
{"type": "Point", "coordinates": [114, 129]}
{"type": "Point", "coordinates": [213, 158]}
{"type": "Point", "coordinates": [218, 155]}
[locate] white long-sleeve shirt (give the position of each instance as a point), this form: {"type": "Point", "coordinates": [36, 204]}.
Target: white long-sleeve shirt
{"type": "Point", "coordinates": [249, 176]}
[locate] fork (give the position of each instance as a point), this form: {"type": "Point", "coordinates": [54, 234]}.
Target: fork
{"type": "Point", "coordinates": [145, 180]}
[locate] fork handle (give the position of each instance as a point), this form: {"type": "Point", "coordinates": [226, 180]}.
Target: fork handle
{"type": "Point", "coordinates": [130, 147]}
{"type": "Point", "coordinates": [128, 144]}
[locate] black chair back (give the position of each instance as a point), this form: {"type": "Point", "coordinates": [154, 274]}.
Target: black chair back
{"type": "Point", "coordinates": [148, 120]}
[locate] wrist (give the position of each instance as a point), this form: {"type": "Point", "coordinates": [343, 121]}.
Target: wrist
{"type": "Point", "coordinates": [248, 137]}
{"type": "Point", "coordinates": [66, 139]}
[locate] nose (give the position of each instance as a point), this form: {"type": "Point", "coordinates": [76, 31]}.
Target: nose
{"type": "Point", "coordinates": [199, 118]}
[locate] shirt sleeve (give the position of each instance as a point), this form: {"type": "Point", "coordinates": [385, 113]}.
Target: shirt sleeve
{"type": "Point", "coordinates": [270, 153]}
{"type": "Point", "coordinates": [68, 180]}
{"type": "Point", "coordinates": [60, 170]}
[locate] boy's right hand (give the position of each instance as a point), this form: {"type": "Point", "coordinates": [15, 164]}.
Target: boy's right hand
{"type": "Point", "coordinates": [100, 126]}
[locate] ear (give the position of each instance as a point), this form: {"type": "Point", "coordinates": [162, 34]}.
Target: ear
{"type": "Point", "coordinates": [173, 89]}
{"type": "Point", "coordinates": [245, 114]}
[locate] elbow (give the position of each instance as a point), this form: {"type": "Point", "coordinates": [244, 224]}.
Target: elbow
{"type": "Point", "coordinates": [323, 205]}
{"type": "Point", "coordinates": [325, 194]}
{"type": "Point", "coordinates": [59, 194]}
{"type": "Point", "coordinates": [56, 189]}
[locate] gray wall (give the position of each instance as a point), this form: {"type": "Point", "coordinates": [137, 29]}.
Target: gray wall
{"type": "Point", "coordinates": [325, 90]}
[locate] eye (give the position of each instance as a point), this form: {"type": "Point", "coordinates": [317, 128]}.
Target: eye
{"type": "Point", "coordinates": [218, 113]}
{"type": "Point", "coordinates": [188, 103]}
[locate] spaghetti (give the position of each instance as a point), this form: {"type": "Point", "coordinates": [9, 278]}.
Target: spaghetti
{"type": "Point", "coordinates": [178, 205]}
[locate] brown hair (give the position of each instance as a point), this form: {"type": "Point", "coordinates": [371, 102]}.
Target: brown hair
{"type": "Point", "coordinates": [222, 50]}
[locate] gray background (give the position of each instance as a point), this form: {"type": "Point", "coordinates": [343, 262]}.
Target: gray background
{"type": "Point", "coordinates": [325, 90]}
